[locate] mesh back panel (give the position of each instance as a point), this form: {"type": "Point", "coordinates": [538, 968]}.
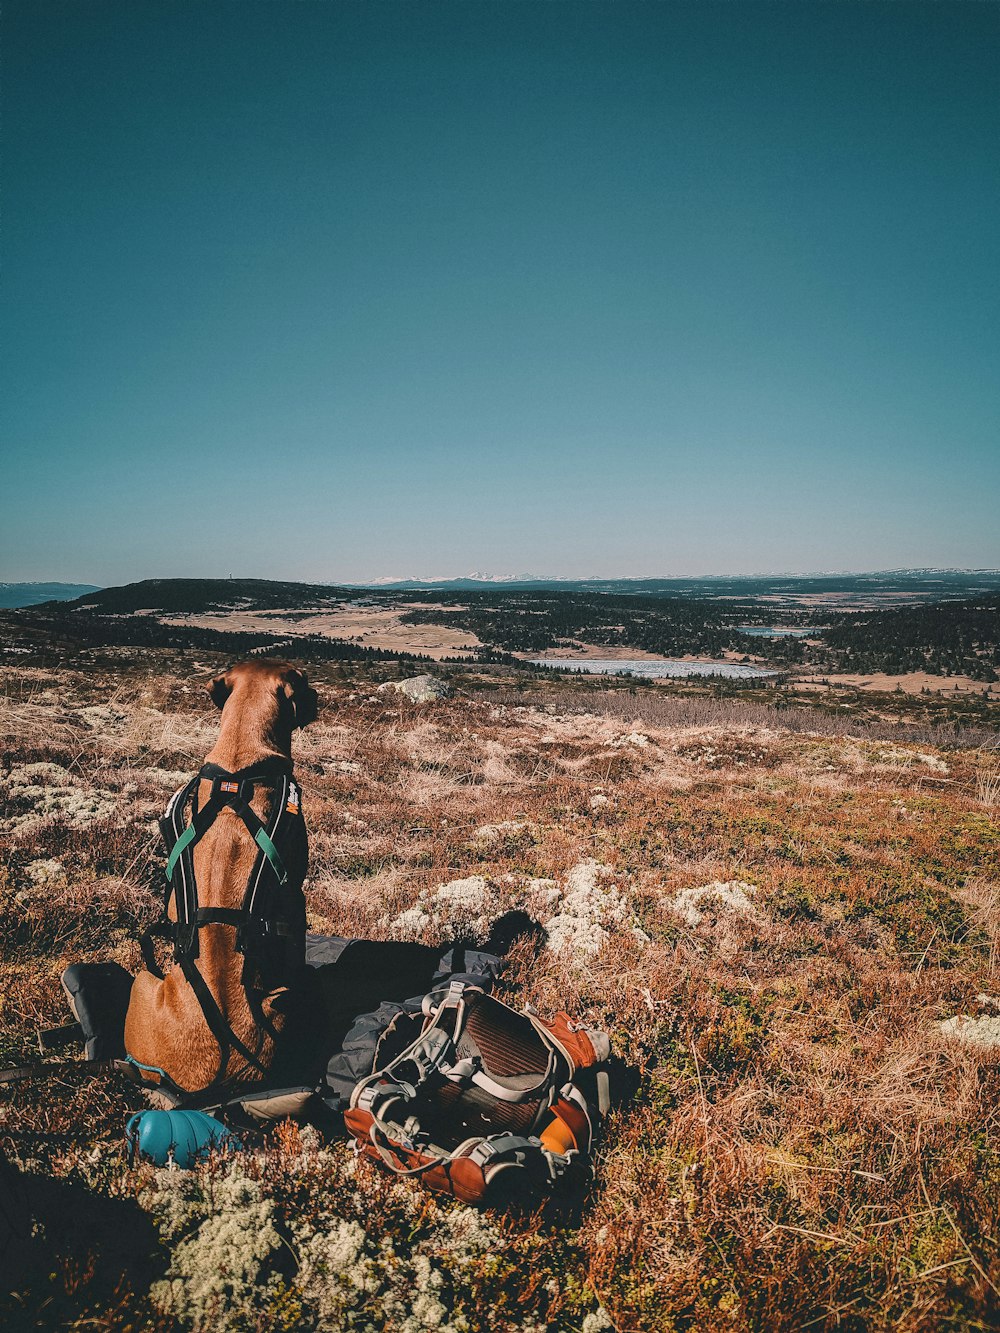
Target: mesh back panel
{"type": "Point", "coordinates": [509, 1046]}
{"type": "Point", "coordinates": [507, 1041]}
{"type": "Point", "coordinates": [458, 1113]}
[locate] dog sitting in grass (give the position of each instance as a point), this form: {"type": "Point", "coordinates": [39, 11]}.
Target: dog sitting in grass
{"type": "Point", "coordinates": [220, 1016]}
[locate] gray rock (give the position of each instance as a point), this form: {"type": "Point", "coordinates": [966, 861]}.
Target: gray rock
{"type": "Point", "coordinates": [421, 689]}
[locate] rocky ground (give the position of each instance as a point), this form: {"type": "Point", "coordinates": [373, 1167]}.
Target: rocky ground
{"type": "Point", "coordinates": [792, 937]}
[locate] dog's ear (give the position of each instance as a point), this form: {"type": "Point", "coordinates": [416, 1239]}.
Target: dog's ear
{"type": "Point", "coordinates": [219, 689]}
{"type": "Point", "coordinates": [302, 696]}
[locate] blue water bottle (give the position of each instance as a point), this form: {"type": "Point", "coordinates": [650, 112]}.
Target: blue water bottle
{"type": "Point", "coordinates": [179, 1136]}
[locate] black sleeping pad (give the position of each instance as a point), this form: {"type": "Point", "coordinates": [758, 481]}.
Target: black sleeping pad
{"type": "Point", "coordinates": [98, 995]}
{"type": "Point", "coordinates": [355, 975]}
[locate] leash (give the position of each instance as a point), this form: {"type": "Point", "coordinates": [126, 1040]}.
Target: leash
{"type": "Point", "coordinates": [52, 1069]}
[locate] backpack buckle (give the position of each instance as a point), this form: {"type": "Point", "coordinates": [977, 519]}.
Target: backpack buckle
{"type": "Point", "coordinates": [514, 1146]}
{"type": "Point", "coordinates": [429, 1055]}
{"type": "Point", "coordinates": [381, 1090]}
{"type": "Point", "coordinates": [185, 940]}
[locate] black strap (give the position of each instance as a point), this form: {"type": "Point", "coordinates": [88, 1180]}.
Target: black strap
{"type": "Point", "coordinates": [243, 921]}
{"type": "Point", "coordinates": [264, 770]}
{"type": "Point", "coordinates": [209, 916]}
{"type": "Point", "coordinates": [51, 1069]}
{"type": "Point", "coordinates": [220, 1029]}
{"type": "Point", "coordinates": [221, 916]}
{"type": "Point", "coordinates": [160, 930]}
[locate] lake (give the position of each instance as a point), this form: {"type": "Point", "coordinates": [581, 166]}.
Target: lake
{"type": "Point", "coordinates": [653, 668]}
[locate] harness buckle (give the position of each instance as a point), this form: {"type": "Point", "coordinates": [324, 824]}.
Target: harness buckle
{"type": "Point", "coordinates": [185, 940]}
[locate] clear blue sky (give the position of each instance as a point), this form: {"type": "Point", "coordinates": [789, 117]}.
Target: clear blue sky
{"type": "Point", "coordinates": [337, 290]}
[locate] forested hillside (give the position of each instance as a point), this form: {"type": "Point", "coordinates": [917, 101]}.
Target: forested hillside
{"type": "Point", "coordinates": [178, 596]}
{"type": "Point", "coordinates": [52, 632]}
{"type": "Point", "coordinates": [944, 639]}
{"type": "Point", "coordinates": [534, 621]}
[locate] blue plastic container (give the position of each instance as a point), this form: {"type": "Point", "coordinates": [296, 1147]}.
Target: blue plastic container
{"type": "Point", "coordinates": [180, 1136]}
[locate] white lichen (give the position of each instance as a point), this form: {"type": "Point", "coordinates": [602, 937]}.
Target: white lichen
{"type": "Point", "coordinates": [48, 872]}
{"type": "Point", "coordinates": [636, 738]}
{"type": "Point", "coordinates": [46, 791]}
{"type": "Point", "coordinates": [471, 904]}
{"type": "Point", "coordinates": [408, 925]}
{"type": "Point", "coordinates": [983, 1031]}
{"type": "Point", "coordinates": [508, 828]}
{"type": "Point", "coordinates": [223, 1251]}
{"type": "Point", "coordinates": [729, 895]}
{"type": "Point", "coordinates": [238, 1255]}
{"type": "Point", "coordinates": [596, 1321]}
{"type": "Point", "coordinates": [352, 1279]}
{"type": "Point", "coordinates": [170, 778]}
{"type": "Point", "coordinates": [589, 909]}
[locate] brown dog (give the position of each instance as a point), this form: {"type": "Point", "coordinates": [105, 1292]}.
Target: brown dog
{"type": "Point", "coordinates": [168, 1026]}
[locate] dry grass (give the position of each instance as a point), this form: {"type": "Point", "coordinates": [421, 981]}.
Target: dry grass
{"type": "Point", "coordinates": [988, 775]}
{"type": "Point", "coordinates": [845, 714]}
{"type": "Point", "coordinates": [804, 1149]}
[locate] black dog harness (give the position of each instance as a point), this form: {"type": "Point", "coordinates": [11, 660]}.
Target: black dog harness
{"type": "Point", "coordinates": [260, 924]}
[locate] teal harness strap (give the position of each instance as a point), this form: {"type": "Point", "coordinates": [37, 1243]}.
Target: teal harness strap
{"type": "Point", "coordinates": [272, 854]}
{"type": "Point", "coordinates": [149, 1069]}
{"type": "Point", "coordinates": [185, 840]}
{"type": "Point", "coordinates": [261, 837]}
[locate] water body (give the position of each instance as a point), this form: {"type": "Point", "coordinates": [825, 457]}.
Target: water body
{"type": "Point", "coordinates": [653, 669]}
{"type": "Point", "coordinates": [776, 631]}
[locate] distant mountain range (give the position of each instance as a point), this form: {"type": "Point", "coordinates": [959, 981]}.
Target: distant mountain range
{"type": "Point", "coordinates": [907, 583]}
{"type": "Point", "coordinates": [790, 592]}
{"type": "Point", "coordinates": [32, 594]}
{"type": "Point", "coordinates": [477, 578]}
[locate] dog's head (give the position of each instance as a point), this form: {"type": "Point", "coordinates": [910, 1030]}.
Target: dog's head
{"type": "Point", "coordinates": [279, 683]}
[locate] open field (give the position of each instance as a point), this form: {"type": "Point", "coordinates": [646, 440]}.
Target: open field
{"type": "Point", "coordinates": [375, 627]}
{"type": "Point", "coordinates": [772, 918]}
{"type": "Point", "coordinates": [910, 682]}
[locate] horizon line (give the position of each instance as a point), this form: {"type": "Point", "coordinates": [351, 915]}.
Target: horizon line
{"type": "Point", "coordinates": [376, 582]}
